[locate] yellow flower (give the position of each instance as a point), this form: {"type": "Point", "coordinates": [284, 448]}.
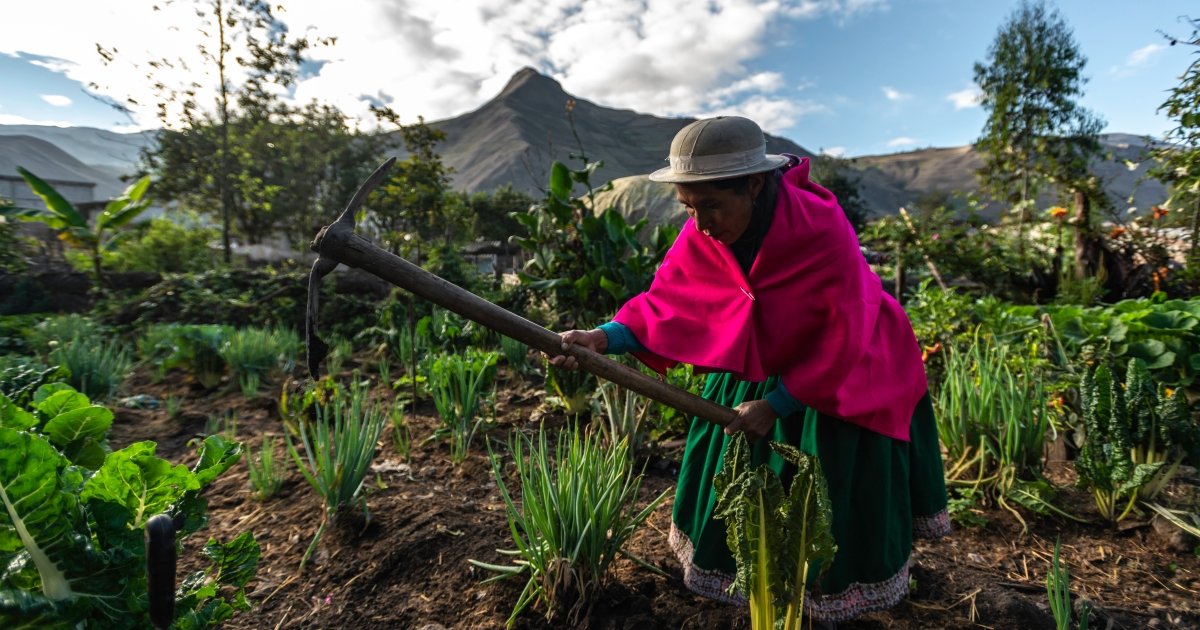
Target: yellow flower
{"type": "Point", "coordinates": [1058, 212]}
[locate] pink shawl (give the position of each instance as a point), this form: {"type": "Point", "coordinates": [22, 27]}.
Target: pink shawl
{"type": "Point", "coordinates": [811, 311]}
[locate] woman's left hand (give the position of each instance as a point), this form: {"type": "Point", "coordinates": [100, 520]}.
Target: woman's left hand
{"type": "Point", "coordinates": [755, 418]}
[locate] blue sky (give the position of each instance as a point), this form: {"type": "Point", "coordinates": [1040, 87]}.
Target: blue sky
{"type": "Point", "coordinates": [853, 77]}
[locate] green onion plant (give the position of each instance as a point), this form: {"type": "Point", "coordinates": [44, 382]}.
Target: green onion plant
{"type": "Point", "coordinates": [993, 420]}
{"type": "Point", "coordinates": [621, 412]}
{"type": "Point", "coordinates": [577, 509]}
{"type": "Point", "coordinates": [252, 353]}
{"type": "Point", "coordinates": [338, 446]}
{"type": "Point", "coordinates": [1058, 590]}
{"type": "Point", "coordinates": [266, 474]}
{"type": "Point", "coordinates": [97, 365]}
{"type": "Point", "coordinates": [516, 354]}
{"type": "Point", "coordinates": [457, 383]}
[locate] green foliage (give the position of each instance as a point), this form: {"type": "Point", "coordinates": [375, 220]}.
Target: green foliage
{"type": "Point", "coordinates": [105, 232]}
{"type": "Point", "coordinates": [516, 354]}
{"type": "Point", "coordinates": [266, 475]}
{"type": "Point", "coordinates": [412, 206]}
{"type": "Point", "coordinates": [70, 534]}
{"type": "Point", "coordinates": [457, 383]}
{"type": "Point", "coordinates": [339, 445]}
{"type": "Point", "coordinates": [196, 349]}
{"type": "Point", "coordinates": [619, 413]}
{"type": "Point", "coordinates": [57, 330]}
{"type": "Point", "coordinates": [168, 245]}
{"type": "Point", "coordinates": [494, 212]}
{"type": "Point", "coordinates": [992, 419]}
{"type": "Point", "coordinates": [267, 296]}
{"type": "Point", "coordinates": [578, 508]}
{"type": "Point", "coordinates": [401, 435]}
{"type": "Point", "coordinates": [1135, 438]}
{"type": "Point", "coordinates": [840, 177]}
{"type": "Point", "coordinates": [569, 390]}
{"type": "Point", "coordinates": [97, 365]}
{"type": "Point", "coordinates": [12, 247]}
{"type": "Point", "coordinates": [1058, 590]}
{"type": "Point", "coordinates": [1036, 131]}
{"type": "Point", "coordinates": [1178, 160]}
{"type": "Point", "coordinates": [585, 262]}
{"type": "Point", "coordinates": [780, 538]}
{"type": "Point", "coordinates": [20, 377]}
{"type": "Point", "coordinates": [253, 353]}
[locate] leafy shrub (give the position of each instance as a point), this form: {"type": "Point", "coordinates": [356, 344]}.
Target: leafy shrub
{"type": "Point", "coordinates": [14, 332]}
{"type": "Point", "coordinates": [169, 245]}
{"type": "Point", "coordinates": [80, 559]}
{"type": "Point", "coordinates": [20, 377]}
{"type": "Point", "coordinates": [97, 365]}
{"type": "Point", "coordinates": [194, 348]}
{"type": "Point", "coordinates": [578, 507]}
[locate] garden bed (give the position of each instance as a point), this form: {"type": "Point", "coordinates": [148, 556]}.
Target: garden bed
{"type": "Point", "coordinates": [407, 567]}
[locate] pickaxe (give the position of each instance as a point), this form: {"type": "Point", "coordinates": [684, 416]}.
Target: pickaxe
{"type": "Point", "coordinates": [338, 243]}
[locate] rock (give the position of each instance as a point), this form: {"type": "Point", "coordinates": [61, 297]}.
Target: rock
{"type": "Point", "coordinates": [1169, 536]}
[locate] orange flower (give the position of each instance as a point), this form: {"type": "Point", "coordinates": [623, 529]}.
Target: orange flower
{"type": "Point", "coordinates": [1058, 212]}
{"type": "Point", "coordinates": [929, 351]}
{"type": "Point", "coordinates": [1159, 212]}
{"type": "Point", "coordinates": [1117, 231]}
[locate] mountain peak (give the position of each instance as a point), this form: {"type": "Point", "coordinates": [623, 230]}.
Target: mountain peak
{"type": "Point", "coordinates": [527, 83]}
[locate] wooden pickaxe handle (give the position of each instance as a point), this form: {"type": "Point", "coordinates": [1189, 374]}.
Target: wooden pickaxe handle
{"type": "Point", "coordinates": [338, 243]}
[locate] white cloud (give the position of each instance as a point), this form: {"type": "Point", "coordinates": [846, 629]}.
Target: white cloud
{"type": "Point", "coordinates": [893, 94]}
{"type": "Point", "coordinates": [439, 59]}
{"type": "Point", "coordinates": [901, 141]}
{"type": "Point", "coordinates": [13, 119]}
{"type": "Point", "coordinates": [965, 99]}
{"type": "Point", "coordinates": [1139, 57]}
{"type": "Point", "coordinates": [834, 151]}
{"type": "Point", "coordinates": [57, 100]}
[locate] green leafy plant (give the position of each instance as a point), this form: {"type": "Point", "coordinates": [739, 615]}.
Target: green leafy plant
{"type": "Point", "coordinates": [106, 232]}
{"type": "Point", "coordinates": [172, 404]}
{"type": "Point", "coordinates": [570, 390]}
{"type": "Point", "coordinates": [338, 448]}
{"type": "Point", "coordinates": [252, 353]}
{"type": "Point", "coordinates": [578, 508]}
{"type": "Point", "coordinates": [191, 347]}
{"type": "Point", "coordinates": [457, 383]}
{"type": "Point", "coordinates": [21, 377]}
{"type": "Point", "coordinates": [1058, 590]}
{"type": "Point", "coordinates": [993, 420]}
{"type": "Point", "coordinates": [1135, 438]}
{"type": "Point", "coordinates": [779, 538]}
{"type": "Point", "coordinates": [97, 365]}
{"type": "Point", "coordinates": [266, 475]}
{"type": "Point", "coordinates": [401, 436]}
{"type": "Point", "coordinates": [340, 350]}
{"type": "Point", "coordinates": [516, 354]}
{"type": "Point", "coordinates": [621, 412]}
{"type": "Point", "coordinates": [57, 330]}
{"type": "Point", "coordinates": [71, 539]}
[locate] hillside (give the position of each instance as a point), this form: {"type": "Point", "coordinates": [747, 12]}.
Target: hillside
{"type": "Point", "coordinates": [514, 137]}
{"type": "Point", "coordinates": [52, 163]}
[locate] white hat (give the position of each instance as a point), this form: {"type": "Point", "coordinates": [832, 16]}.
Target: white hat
{"type": "Point", "coordinates": [717, 148]}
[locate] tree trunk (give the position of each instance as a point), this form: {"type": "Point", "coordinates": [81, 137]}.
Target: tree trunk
{"type": "Point", "coordinates": [223, 177]}
{"type": "Point", "coordinates": [1087, 254]}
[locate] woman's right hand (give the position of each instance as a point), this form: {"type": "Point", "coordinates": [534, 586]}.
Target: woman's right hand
{"type": "Point", "coordinates": [594, 340]}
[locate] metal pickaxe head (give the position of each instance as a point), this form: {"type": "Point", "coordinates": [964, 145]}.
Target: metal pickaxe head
{"type": "Point", "coordinates": [315, 348]}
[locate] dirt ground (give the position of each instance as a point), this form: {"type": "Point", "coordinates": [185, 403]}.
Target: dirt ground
{"type": "Point", "coordinates": [407, 566]}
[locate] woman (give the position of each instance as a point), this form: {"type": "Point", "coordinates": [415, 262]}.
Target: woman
{"type": "Point", "coordinates": [767, 289]}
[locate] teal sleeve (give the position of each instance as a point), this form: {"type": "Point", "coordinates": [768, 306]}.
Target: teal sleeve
{"type": "Point", "coordinates": [782, 402]}
{"type": "Point", "coordinates": [620, 339]}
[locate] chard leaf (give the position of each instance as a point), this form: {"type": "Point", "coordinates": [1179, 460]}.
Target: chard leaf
{"type": "Point", "coordinates": [79, 424]}
{"type": "Point", "coordinates": [216, 456]}
{"type": "Point", "coordinates": [14, 417]}
{"type": "Point", "coordinates": [140, 482]}
{"type": "Point", "coordinates": [40, 517]}
{"type": "Point", "coordinates": [60, 402]}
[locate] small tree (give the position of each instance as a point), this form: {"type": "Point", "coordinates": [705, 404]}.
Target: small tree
{"type": "Point", "coordinates": [839, 176]}
{"type": "Point", "coordinates": [1036, 132]}
{"type": "Point", "coordinates": [1179, 159]}
{"type": "Point", "coordinates": [103, 234]}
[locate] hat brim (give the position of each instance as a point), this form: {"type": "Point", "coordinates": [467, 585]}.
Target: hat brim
{"type": "Point", "coordinates": [670, 176]}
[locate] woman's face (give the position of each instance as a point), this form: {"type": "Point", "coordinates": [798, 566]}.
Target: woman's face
{"type": "Point", "coordinates": [721, 214]}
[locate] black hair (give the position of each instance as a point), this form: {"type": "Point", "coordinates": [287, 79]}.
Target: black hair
{"type": "Point", "coordinates": [766, 196]}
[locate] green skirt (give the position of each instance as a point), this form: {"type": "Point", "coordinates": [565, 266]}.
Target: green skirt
{"type": "Point", "coordinates": [883, 493]}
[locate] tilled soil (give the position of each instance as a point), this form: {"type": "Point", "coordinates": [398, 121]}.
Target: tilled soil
{"type": "Point", "coordinates": [407, 565]}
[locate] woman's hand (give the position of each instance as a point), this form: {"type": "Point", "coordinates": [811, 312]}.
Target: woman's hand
{"type": "Point", "coordinates": [755, 418]}
{"type": "Point", "coordinates": [594, 340]}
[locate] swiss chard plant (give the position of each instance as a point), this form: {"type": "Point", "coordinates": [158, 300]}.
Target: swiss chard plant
{"type": "Point", "coordinates": [1136, 436]}
{"type": "Point", "coordinates": [71, 541]}
{"type": "Point", "coordinates": [779, 537]}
